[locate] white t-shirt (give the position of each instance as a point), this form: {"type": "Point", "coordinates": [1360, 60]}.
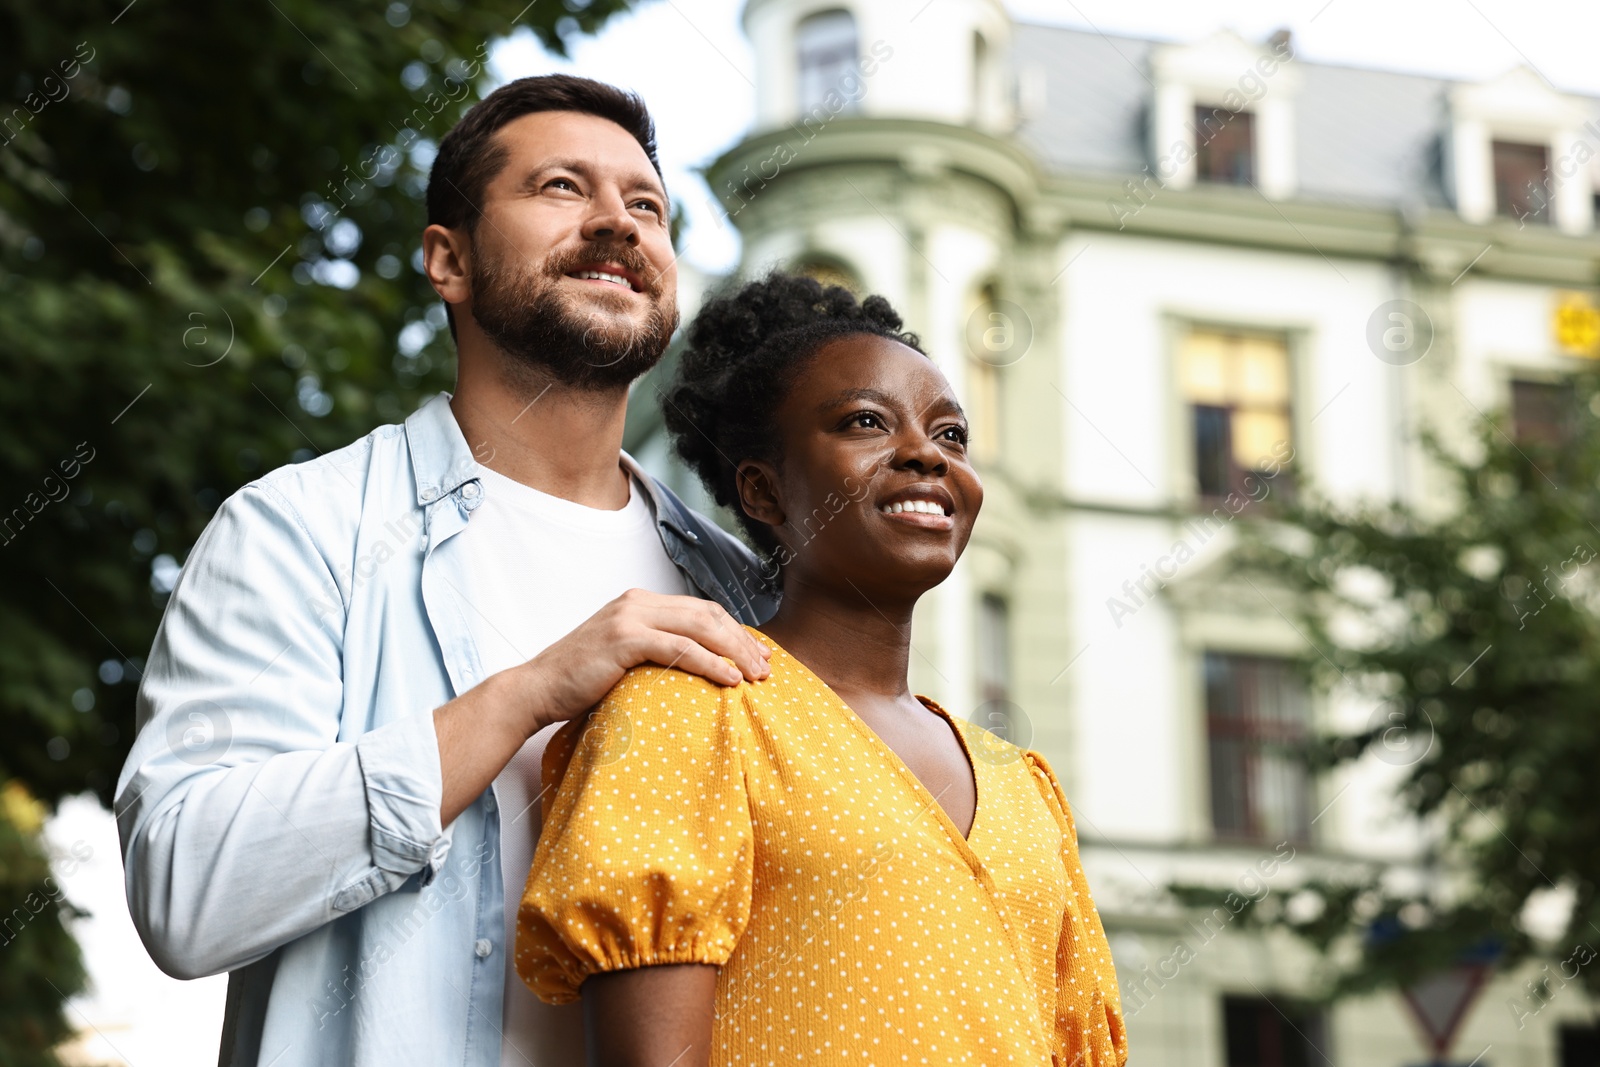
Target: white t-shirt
{"type": "Point", "coordinates": [538, 567]}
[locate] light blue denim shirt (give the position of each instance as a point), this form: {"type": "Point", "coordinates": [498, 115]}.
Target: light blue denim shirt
{"type": "Point", "coordinates": [279, 811]}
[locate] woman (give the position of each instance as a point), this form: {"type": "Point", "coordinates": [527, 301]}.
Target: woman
{"type": "Point", "coordinates": [812, 867]}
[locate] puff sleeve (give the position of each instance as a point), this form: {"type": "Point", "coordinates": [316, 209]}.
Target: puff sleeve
{"type": "Point", "coordinates": [1089, 1024]}
{"type": "Point", "coordinates": [646, 856]}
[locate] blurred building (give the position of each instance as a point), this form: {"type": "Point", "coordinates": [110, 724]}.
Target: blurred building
{"type": "Point", "coordinates": [1170, 281]}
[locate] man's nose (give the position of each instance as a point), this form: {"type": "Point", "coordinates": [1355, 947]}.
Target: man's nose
{"type": "Point", "coordinates": [610, 220]}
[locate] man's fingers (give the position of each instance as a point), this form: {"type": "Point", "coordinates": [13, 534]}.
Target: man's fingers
{"type": "Point", "coordinates": [710, 626]}
{"type": "Point", "coordinates": [679, 653]}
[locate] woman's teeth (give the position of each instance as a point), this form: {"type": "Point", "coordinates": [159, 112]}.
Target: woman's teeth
{"type": "Point", "coordinates": [925, 507]}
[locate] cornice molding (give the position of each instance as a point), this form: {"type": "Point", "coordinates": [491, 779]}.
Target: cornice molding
{"type": "Point", "coordinates": [1435, 242]}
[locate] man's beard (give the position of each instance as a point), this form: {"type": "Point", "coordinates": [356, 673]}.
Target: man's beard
{"type": "Point", "coordinates": [524, 312]}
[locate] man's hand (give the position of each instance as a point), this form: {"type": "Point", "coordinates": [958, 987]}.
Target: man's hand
{"type": "Point", "coordinates": [483, 728]}
{"type": "Point", "coordinates": [693, 635]}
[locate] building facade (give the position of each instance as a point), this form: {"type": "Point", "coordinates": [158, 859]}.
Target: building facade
{"type": "Point", "coordinates": [1170, 280]}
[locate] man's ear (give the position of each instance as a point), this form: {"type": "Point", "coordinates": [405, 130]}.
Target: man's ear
{"type": "Point", "coordinates": [447, 260]}
{"type": "Point", "coordinates": [758, 493]}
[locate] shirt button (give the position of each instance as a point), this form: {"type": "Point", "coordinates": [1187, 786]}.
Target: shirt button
{"type": "Point", "coordinates": [470, 490]}
{"type": "Point", "coordinates": [428, 495]}
{"type": "Point", "coordinates": [482, 947]}
{"type": "Point", "coordinates": [692, 537]}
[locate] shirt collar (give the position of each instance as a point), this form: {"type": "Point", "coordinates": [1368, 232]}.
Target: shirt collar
{"type": "Point", "coordinates": [440, 458]}
{"type": "Point", "coordinates": [442, 463]}
{"type": "Point", "coordinates": [667, 510]}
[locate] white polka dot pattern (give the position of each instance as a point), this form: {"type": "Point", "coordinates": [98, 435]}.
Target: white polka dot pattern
{"type": "Point", "coordinates": [766, 829]}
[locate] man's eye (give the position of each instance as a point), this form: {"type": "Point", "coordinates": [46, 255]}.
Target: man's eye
{"type": "Point", "coordinates": [562, 183]}
{"type": "Point", "coordinates": [649, 205]}
{"type": "Point", "coordinates": [867, 420]}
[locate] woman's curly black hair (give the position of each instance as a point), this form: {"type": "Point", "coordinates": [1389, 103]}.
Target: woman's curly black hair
{"type": "Point", "coordinates": [745, 350]}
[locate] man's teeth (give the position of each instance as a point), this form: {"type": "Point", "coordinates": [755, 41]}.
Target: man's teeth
{"type": "Point", "coordinates": [601, 275]}
{"type": "Point", "coordinates": [925, 507]}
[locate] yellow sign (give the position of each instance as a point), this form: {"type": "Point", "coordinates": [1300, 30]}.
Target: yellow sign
{"type": "Point", "coordinates": [1577, 325]}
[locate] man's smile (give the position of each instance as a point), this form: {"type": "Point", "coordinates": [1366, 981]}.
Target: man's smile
{"type": "Point", "coordinates": [608, 274]}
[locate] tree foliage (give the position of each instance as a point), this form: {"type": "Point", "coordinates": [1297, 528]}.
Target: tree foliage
{"type": "Point", "coordinates": [208, 217]}
{"type": "Point", "coordinates": [40, 966]}
{"type": "Point", "coordinates": [1475, 635]}
{"type": "Point", "coordinates": [207, 227]}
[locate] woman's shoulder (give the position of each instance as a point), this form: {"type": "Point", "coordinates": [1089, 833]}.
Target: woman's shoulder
{"type": "Point", "coordinates": [649, 707]}
{"type": "Point", "coordinates": [1050, 788]}
{"type": "Point", "coordinates": [652, 685]}
{"type": "Point", "coordinates": [672, 699]}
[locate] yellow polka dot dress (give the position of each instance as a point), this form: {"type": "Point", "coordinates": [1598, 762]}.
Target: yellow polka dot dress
{"type": "Point", "coordinates": [767, 830]}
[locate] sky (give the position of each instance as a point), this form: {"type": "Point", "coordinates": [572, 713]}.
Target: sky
{"type": "Point", "coordinates": [690, 61]}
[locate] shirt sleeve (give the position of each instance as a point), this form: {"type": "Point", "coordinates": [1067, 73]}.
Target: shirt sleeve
{"type": "Point", "coordinates": [646, 856]}
{"type": "Point", "coordinates": [245, 821]}
{"type": "Point", "coordinates": [1089, 1024]}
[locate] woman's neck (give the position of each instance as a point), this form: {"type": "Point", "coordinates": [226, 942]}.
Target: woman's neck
{"type": "Point", "coordinates": [855, 645]}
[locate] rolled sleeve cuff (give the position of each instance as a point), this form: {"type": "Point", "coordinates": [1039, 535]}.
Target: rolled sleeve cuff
{"type": "Point", "coordinates": [405, 789]}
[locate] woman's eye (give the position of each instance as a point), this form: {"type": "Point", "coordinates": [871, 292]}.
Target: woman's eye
{"type": "Point", "coordinates": [958, 434]}
{"type": "Point", "coordinates": [866, 420]}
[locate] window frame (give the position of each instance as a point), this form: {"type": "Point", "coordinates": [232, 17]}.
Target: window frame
{"type": "Point", "coordinates": [1307, 1020]}
{"type": "Point", "coordinates": [1255, 740]}
{"type": "Point", "coordinates": [1562, 386]}
{"type": "Point", "coordinates": [986, 386]}
{"type": "Point", "coordinates": [828, 269]}
{"type": "Point", "coordinates": [1182, 454]}
{"type": "Point", "coordinates": [1543, 214]}
{"type": "Point", "coordinates": [1245, 118]}
{"type": "Point", "coordinates": [805, 102]}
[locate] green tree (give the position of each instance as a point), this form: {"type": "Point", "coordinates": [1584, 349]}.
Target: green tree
{"type": "Point", "coordinates": [39, 962]}
{"type": "Point", "coordinates": [208, 219]}
{"type": "Point", "coordinates": [1474, 630]}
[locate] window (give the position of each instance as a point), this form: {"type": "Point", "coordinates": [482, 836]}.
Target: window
{"type": "Point", "coordinates": [827, 44]}
{"type": "Point", "coordinates": [980, 77]}
{"type": "Point", "coordinates": [1259, 1032]}
{"type": "Point", "coordinates": [829, 272]}
{"type": "Point", "coordinates": [992, 343]}
{"type": "Point", "coordinates": [994, 648]}
{"type": "Point", "coordinates": [1522, 181]}
{"type": "Point", "coordinates": [996, 712]}
{"type": "Point", "coordinates": [1224, 145]}
{"type": "Point", "coordinates": [1541, 413]}
{"type": "Point", "coordinates": [1237, 387]}
{"type": "Point", "coordinates": [1580, 1046]}
{"type": "Point", "coordinates": [1257, 721]}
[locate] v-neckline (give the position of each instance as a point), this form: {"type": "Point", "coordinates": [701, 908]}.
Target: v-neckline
{"type": "Point", "coordinates": [963, 841]}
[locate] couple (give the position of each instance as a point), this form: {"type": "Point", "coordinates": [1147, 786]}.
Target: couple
{"type": "Point", "coordinates": [760, 847]}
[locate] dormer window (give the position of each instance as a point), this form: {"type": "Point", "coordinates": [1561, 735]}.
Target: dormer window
{"type": "Point", "coordinates": [1224, 112]}
{"type": "Point", "coordinates": [828, 57]}
{"type": "Point", "coordinates": [1522, 181]}
{"type": "Point", "coordinates": [1517, 149]}
{"type": "Point", "coordinates": [1225, 145]}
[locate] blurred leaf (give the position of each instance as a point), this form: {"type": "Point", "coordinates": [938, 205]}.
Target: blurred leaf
{"type": "Point", "coordinates": [1475, 638]}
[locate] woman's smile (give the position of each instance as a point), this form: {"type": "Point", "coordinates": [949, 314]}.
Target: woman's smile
{"type": "Point", "coordinates": [922, 506]}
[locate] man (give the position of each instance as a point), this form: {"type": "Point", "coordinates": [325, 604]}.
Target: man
{"type": "Point", "coordinates": [333, 794]}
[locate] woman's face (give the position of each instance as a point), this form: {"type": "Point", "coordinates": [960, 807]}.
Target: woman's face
{"type": "Point", "coordinates": [874, 486]}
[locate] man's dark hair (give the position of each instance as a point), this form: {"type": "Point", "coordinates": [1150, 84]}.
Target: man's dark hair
{"type": "Point", "coordinates": [746, 348]}
{"type": "Point", "coordinates": [469, 158]}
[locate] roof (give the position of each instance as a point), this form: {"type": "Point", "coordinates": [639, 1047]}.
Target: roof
{"type": "Point", "coordinates": [1362, 137]}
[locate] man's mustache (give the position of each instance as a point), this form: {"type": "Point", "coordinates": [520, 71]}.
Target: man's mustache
{"type": "Point", "coordinates": [622, 255]}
